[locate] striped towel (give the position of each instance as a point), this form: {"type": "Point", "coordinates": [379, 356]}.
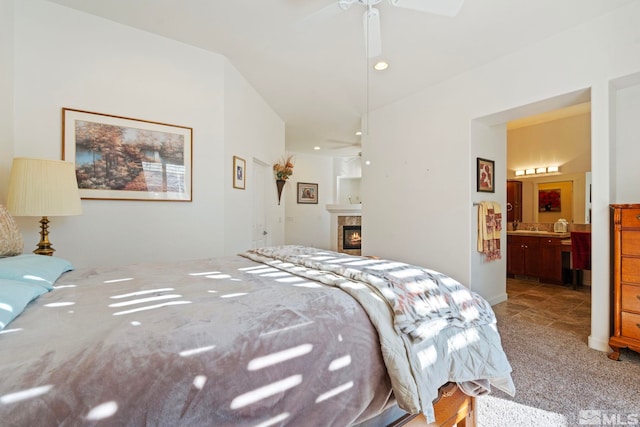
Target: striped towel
{"type": "Point", "coordinates": [489, 226]}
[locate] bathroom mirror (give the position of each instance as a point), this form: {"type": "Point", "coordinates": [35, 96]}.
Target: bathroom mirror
{"type": "Point", "coordinates": [547, 199]}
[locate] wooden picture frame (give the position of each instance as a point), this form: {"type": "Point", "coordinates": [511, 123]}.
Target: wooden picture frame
{"type": "Point", "coordinates": [239, 172]}
{"type": "Point", "coordinates": [485, 175]}
{"type": "Point", "coordinates": [307, 193]}
{"type": "Point", "coordinates": [121, 158]}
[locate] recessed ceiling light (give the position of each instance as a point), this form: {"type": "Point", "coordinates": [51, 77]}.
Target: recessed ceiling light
{"type": "Point", "coordinates": [358, 133]}
{"type": "Point", "coordinates": [381, 65]}
{"type": "Point", "coordinates": [316, 148]}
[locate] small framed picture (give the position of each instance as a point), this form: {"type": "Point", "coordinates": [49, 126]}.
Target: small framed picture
{"type": "Point", "coordinates": [239, 172]}
{"type": "Point", "coordinates": [307, 193]}
{"type": "Point", "coordinates": [485, 176]}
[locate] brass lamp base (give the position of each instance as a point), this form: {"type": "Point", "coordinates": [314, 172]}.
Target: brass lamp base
{"type": "Point", "coordinates": [44, 245]}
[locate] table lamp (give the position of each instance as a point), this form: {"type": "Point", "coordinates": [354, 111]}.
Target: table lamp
{"type": "Point", "coordinates": [43, 188]}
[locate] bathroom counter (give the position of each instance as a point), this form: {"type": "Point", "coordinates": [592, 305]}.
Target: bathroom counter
{"type": "Point", "coordinates": [532, 233]}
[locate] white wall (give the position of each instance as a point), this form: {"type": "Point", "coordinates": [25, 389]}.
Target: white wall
{"type": "Point", "coordinates": [487, 142]}
{"type": "Point", "coordinates": [626, 172]}
{"type": "Point", "coordinates": [308, 224]}
{"type": "Point", "coordinates": [428, 203]}
{"type": "Point", "coordinates": [256, 141]}
{"type": "Point", "coordinates": [65, 58]}
{"type": "Point", "coordinates": [6, 94]}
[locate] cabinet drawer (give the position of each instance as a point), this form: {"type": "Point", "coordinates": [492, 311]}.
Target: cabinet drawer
{"type": "Point", "coordinates": [630, 298]}
{"type": "Point", "coordinates": [630, 270]}
{"type": "Point", "coordinates": [630, 218]}
{"type": "Point", "coordinates": [631, 325]}
{"type": "Point", "coordinates": [550, 241]}
{"type": "Point", "coordinates": [630, 242]}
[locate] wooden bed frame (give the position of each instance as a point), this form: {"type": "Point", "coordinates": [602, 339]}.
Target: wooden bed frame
{"type": "Point", "coordinates": [452, 408]}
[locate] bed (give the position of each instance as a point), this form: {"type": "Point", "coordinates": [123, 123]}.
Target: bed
{"type": "Point", "coordinates": [285, 335]}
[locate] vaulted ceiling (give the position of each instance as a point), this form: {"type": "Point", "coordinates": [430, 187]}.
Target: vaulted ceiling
{"type": "Point", "coordinates": [307, 57]}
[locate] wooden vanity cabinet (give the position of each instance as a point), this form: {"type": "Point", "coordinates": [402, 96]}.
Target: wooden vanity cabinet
{"type": "Point", "coordinates": [550, 268]}
{"type": "Point", "coordinates": [625, 278]}
{"type": "Point", "coordinates": [532, 256]}
{"type": "Point", "coordinates": [523, 257]}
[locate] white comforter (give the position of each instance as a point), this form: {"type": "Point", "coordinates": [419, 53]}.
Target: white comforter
{"type": "Point", "coordinates": [432, 329]}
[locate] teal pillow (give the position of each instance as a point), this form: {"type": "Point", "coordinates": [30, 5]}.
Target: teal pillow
{"type": "Point", "coordinates": [39, 269]}
{"type": "Point", "coordinates": [14, 297]}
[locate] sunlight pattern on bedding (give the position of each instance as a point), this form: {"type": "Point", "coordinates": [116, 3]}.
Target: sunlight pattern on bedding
{"type": "Point", "coordinates": [194, 351]}
{"type": "Point", "coordinates": [25, 394]}
{"type": "Point", "coordinates": [102, 411]}
{"type": "Point", "coordinates": [199, 381]}
{"type": "Point", "coordinates": [266, 391]}
{"type": "Point", "coordinates": [339, 363]}
{"type": "Point", "coordinates": [335, 392]}
{"type": "Point", "coordinates": [279, 357]}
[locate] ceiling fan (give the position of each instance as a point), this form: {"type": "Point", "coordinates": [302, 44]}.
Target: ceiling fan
{"type": "Point", "coordinates": [371, 17]}
{"type": "Point", "coordinates": [339, 144]}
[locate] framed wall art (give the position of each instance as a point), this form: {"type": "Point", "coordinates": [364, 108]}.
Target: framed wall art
{"type": "Point", "coordinates": [307, 193]}
{"type": "Point", "coordinates": [549, 200]}
{"type": "Point", "coordinates": [239, 172]}
{"type": "Point", "coordinates": [485, 175]}
{"type": "Point", "coordinates": [120, 158]}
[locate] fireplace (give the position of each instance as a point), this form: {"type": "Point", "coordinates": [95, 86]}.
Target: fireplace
{"type": "Point", "coordinates": [340, 218]}
{"type": "Point", "coordinates": [351, 237]}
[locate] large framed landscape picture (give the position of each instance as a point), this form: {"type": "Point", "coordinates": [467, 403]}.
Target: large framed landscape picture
{"type": "Point", "coordinates": [127, 159]}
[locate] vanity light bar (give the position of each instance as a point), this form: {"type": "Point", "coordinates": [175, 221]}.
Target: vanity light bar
{"type": "Point", "coordinates": [533, 171]}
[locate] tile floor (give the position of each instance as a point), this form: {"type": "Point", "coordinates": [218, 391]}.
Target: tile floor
{"type": "Point", "coordinates": [554, 306]}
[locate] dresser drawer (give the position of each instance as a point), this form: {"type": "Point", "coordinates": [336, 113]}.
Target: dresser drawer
{"type": "Point", "coordinates": [630, 298]}
{"type": "Point", "coordinates": [630, 218]}
{"type": "Point", "coordinates": [631, 325]}
{"type": "Point", "coordinates": [630, 242]}
{"type": "Point", "coordinates": [630, 270]}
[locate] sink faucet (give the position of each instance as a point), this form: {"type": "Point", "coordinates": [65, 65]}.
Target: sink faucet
{"type": "Point", "coordinates": [515, 224]}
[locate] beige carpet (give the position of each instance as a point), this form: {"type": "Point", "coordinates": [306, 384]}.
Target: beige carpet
{"type": "Point", "coordinates": [561, 382]}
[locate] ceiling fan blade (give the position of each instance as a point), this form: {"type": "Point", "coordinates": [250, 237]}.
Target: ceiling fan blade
{"type": "Point", "coordinates": [321, 16]}
{"type": "Point", "coordinates": [372, 36]}
{"type": "Point", "coordinates": [438, 7]}
{"type": "Point", "coordinates": [343, 144]}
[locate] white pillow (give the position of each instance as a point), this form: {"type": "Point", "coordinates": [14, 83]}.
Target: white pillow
{"type": "Point", "coordinates": [10, 238]}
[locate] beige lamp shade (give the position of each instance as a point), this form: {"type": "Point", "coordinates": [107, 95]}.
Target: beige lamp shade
{"type": "Point", "coordinates": [39, 187]}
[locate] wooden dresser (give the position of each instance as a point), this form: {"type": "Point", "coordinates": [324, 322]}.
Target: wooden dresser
{"type": "Point", "coordinates": [625, 278]}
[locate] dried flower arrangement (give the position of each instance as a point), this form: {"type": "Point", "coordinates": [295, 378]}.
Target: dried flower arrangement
{"type": "Point", "coordinates": [284, 167]}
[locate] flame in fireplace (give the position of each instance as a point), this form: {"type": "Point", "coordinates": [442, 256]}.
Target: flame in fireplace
{"type": "Point", "coordinates": [355, 238]}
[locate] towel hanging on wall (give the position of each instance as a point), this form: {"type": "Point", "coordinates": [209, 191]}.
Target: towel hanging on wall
{"type": "Point", "coordinates": [489, 227]}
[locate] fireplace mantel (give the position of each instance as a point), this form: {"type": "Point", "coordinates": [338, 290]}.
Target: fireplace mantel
{"type": "Point", "coordinates": [345, 209]}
